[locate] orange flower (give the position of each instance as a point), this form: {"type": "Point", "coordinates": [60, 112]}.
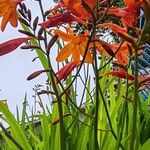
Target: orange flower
{"type": "Point", "coordinates": [8, 12]}
{"type": "Point", "coordinates": [128, 15]}
{"type": "Point", "coordinates": [120, 31]}
{"type": "Point", "coordinates": [76, 46]}
{"type": "Point", "coordinates": [122, 55]}
{"type": "Point", "coordinates": [59, 19]}
{"type": "Point", "coordinates": [77, 8]}
{"type": "Point", "coordinates": [101, 46]}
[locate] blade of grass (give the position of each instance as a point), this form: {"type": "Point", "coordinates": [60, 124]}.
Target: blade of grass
{"type": "Point", "coordinates": [15, 128]}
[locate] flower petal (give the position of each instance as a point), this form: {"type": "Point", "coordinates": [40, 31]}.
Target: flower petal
{"type": "Point", "coordinates": [76, 54]}
{"type": "Point", "coordinates": [120, 31]}
{"type": "Point", "coordinates": [64, 36]}
{"type": "Point", "coordinates": [128, 15]}
{"type": "Point", "coordinates": [107, 48]}
{"type": "Point", "coordinates": [5, 20]}
{"type": "Point", "coordinates": [65, 52]}
{"type": "Point", "coordinates": [13, 18]}
{"type": "Point", "coordinates": [88, 58]}
{"type": "Point", "coordinates": [8, 12]}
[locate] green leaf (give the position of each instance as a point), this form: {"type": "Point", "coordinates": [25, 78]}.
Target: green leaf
{"type": "Point", "coordinates": [46, 132]}
{"type": "Point", "coordinates": [38, 143]}
{"type": "Point", "coordinates": [145, 146]}
{"type": "Point", "coordinates": [15, 128]}
{"type": "Point", "coordinates": [10, 145]}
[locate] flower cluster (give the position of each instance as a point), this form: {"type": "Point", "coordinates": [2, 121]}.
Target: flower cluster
{"type": "Point", "coordinates": [8, 12]}
{"type": "Point", "coordinates": [80, 23]}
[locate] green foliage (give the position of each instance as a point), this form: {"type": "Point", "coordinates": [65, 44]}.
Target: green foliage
{"type": "Point", "coordinates": [79, 124]}
{"type": "Point", "coordinates": [90, 109]}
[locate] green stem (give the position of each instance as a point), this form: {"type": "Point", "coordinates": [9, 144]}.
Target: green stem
{"type": "Point", "coordinates": [82, 62]}
{"type": "Point", "coordinates": [42, 12]}
{"type": "Point", "coordinates": [60, 110]}
{"type": "Point", "coordinates": [136, 96]}
{"type": "Point", "coordinates": [108, 116]}
{"type": "Point", "coordinates": [123, 115]}
{"type": "Point", "coordinates": [96, 101]}
{"type": "Point", "coordinates": [135, 103]}
{"type": "Point", "coordinates": [122, 124]}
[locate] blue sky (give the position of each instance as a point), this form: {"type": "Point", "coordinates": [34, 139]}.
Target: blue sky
{"type": "Point", "coordinates": [16, 66]}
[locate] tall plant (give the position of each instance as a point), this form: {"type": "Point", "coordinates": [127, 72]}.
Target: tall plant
{"type": "Point", "coordinates": [95, 95]}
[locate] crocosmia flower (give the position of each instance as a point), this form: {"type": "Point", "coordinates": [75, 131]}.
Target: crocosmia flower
{"type": "Point", "coordinates": [59, 19]}
{"type": "Point", "coordinates": [8, 12]}
{"type": "Point", "coordinates": [122, 55]}
{"type": "Point", "coordinates": [128, 15]}
{"type": "Point", "coordinates": [120, 31]}
{"type": "Point", "coordinates": [75, 13]}
{"type": "Point", "coordinates": [76, 46]}
{"type": "Point", "coordinates": [76, 7]}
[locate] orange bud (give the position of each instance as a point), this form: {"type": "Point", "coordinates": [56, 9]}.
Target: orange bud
{"type": "Point", "coordinates": [65, 71]}
{"type": "Point", "coordinates": [119, 65]}
{"type": "Point", "coordinates": [120, 31]}
{"type": "Point", "coordinates": [120, 73]}
{"type": "Point", "coordinates": [107, 48]}
{"type": "Point", "coordinates": [36, 73]}
{"type": "Point", "coordinates": [51, 42]}
{"type": "Point", "coordinates": [11, 45]}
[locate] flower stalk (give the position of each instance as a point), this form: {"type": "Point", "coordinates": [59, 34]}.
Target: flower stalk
{"type": "Point", "coordinates": [60, 110]}
{"type": "Point", "coordinates": [136, 93]}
